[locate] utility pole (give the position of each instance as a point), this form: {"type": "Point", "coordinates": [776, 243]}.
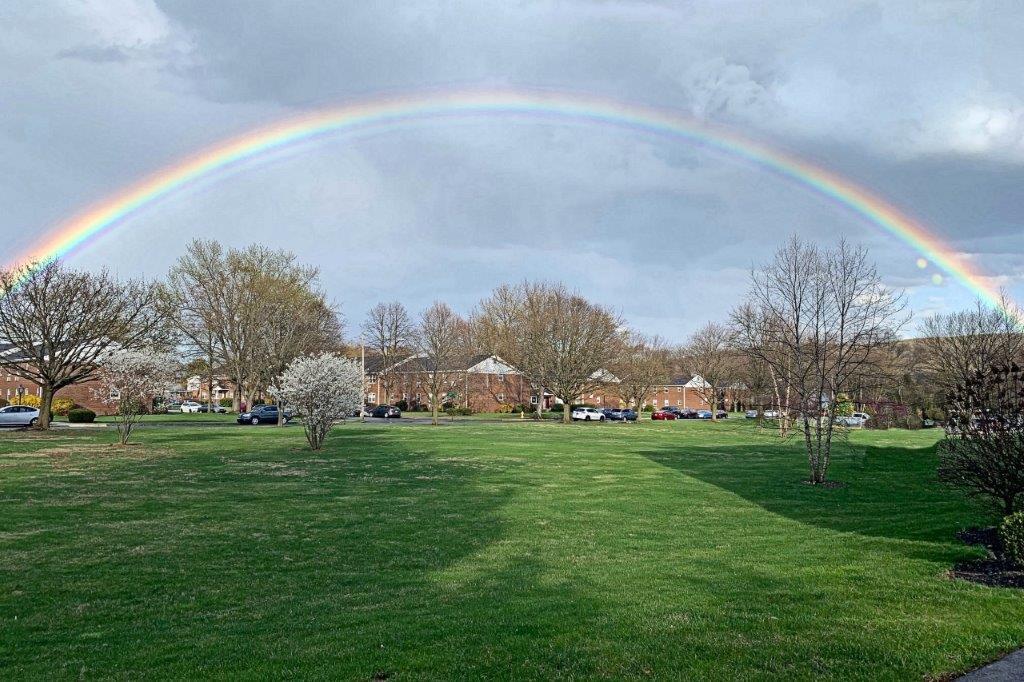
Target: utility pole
{"type": "Point", "coordinates": [362, 391]}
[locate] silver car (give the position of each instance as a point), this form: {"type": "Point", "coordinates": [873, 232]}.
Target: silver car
{"type": "Point", "coordinates": [18, 415]}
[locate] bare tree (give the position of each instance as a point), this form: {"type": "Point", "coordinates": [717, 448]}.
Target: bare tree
{"type": "Point", "coordinates": [641, 365]}
{"type": "Point", "coordinates": [956, 346]}
{"type": "Point", "coordinates": [440, 342]}
{"type": "Point", "coordinates": [559, 340]}
{"type": "Point", "coordinates": [818, 319]}
{"type": "Point", "coordinates": [388, 332]}
{"type": "Point", "coordinates": [708, 357]}
{"type": "Point", "coordinates": [250, 307]}
{"type": "Point", "coordinates": [59, 322]}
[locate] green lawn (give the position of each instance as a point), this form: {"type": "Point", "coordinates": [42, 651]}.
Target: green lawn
{"type": "Point", "coordinates": [535, 550]}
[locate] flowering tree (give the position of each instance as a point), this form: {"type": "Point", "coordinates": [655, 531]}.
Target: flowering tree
{"type": "Point", "coordinates": [129, 379]}
{"type": "Point", "coordinates": [324, 388]}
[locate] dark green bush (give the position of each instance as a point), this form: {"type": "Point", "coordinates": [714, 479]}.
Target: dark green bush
{"type": "Point", "coordinates": [403, 405]}
{"type": "Point", "coordinates": [226, 402]}
{"type": "Point", "coordinates": [458, 411]}
{"type": "Point", "coordinates": [648, 408]}
{"type": "Point", "coordinates": [1011, 534]}
{"type": "Point", "coordinates": [81, 415]}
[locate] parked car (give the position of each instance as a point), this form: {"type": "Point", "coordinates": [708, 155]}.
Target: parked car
{"type": "Point", "coordinates": [263, 414]}
{"type": "Point", "coordinates": [189, 407]}
{"type": "Point", "coordinates": [663, 415]}
{"type": "Point", "coordinates": [587, 414]}
{"type": "Point", "coordinates": [688, 413]}
{"type": "Point", "coordinates": [863, 416]}
{"type": "Point", "coordinates": [359, 412]}
{"type": "Point", "coordinates": [616, 414]}
{"type": "Point", "coordinates": [850, 421]}
{"type": "Point", "coordinates": [386, 412]}
{"type": "Point", "coordinates": [172, 408]}
{"type": "Point", "coordinates": [677, 411]}
{"type": "Point", "coordinates": [214, 408]}
{"type": "Point", "coordinates": [750, 414]}
{"type": "Point", "coordinates": [771, 414]}
{"type": "Point", "coordinates": [703, 414]}
{"type": "Point", "coordinates": [722, 414]}
{"type": "Point", "coordinates": [18, 415]}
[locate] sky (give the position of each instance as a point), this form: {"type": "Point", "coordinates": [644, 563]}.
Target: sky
{"type": "Point", "coordinates": [920, 102]}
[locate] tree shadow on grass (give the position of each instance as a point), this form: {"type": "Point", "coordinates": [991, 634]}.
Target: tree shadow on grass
{"type": "Point", "coordinates": [195, 561]}
{"type": "Point", "coordinates": [887, 492]}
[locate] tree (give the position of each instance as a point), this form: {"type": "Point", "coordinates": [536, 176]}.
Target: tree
{"type": "Point", "coordinates": [251, 311]}
{"type": "Point", "coordinates": [708, 355]}
{"type": "Point", "coordinates": [60, 322]}
{"type": "Point", "coordinates": [388, 332]}
{"type": "Point", "coordinates": [819, 319]}
{"type": "Point", "coordinates": [129, 380]}
{"type": "Point", "coordinates": [641, 365]}
{"type": "Point", "coordinates": [559, 340]}
{"type": "Point", "coordinates": [440, 341]}
{"type": "Point", "coordinates": [324, 387]}
{"type": "Point", "coordinates": [956, 346]}
{"type": "Point", "coordinates": [983, 451]}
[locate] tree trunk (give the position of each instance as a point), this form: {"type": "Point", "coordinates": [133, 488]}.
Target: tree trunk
{"type": "Point", "coordinates": [714, 405]}
{"type": "Point", "coordinates": [433, 411]}
{"type": "Point", "coordinates": [45, 405]}
{"type": "Point", "coordinates": [566, 412]}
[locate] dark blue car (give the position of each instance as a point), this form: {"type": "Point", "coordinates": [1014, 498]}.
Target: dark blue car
{"type": "Point", "coordinates": [263, 414]}
{"type": "Point", "coordinates": [617, 415]}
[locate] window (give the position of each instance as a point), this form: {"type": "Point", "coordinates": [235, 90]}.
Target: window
{"type": "Point", "coordinates": [533, 400]}
{"type": "Point", "coordinates": [666, 391]}
{"type": "Point", "coordinates": [501, 397]}
{"type": "Point", "coordinates": [666, 402]}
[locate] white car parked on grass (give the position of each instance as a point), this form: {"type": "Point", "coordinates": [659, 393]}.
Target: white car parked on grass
{"type": "Point", "coordinates": [587, 414]}
{"type": "Point", "coordinates": [190, 406]}
{"type": "Point", "coordinates": [18, 415]}
{"type": "Point", "coordinates": [853, 420]}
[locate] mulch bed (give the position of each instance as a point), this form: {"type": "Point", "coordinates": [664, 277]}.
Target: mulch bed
{"type": "Point", "coordinates": [992, 570]}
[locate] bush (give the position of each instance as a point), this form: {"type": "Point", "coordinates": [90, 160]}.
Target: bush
{"type": "Point", "coordinates": [504, 408]}
{"type": "Point", "coordinates": [402, 404]}
{"type": "Point", "coordinates": [81, 415]}
{"type": "Point", "coordinates": [935, 413]}
{"type": "Point", "coordinates": [524, 407]}
{"type": "Point", "coordinates": [62, 406]}
{"type": "Point", "coordinates": [648, 408]}
{"type": "Point", "coordinates": [458, 411]}
{"type": "Point", "coordinates": [226, 402]}
{"type": "Point", "coordinates": [1011, 534]}
{"type": "Point", "coordinates": [3, 403]}
{"type": "Point", "coordinates": [557, 407]}
{"type": "Point", "coordinates": [28, 399]}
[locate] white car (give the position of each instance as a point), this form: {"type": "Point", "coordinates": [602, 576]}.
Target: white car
{"type": "Point", "coordinates": [771, 414]}
{"type": "Point", "coordinates": [18, 415]}
{"type": "Point", "coordinates": [853, 420]}
{"type": "Point", "coordinates": [190, 406]}
{"type": "Point", "coordinates": [587, 414]}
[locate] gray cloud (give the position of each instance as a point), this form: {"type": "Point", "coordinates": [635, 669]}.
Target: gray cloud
{"type": "Point", "coordinates": [922, 103]}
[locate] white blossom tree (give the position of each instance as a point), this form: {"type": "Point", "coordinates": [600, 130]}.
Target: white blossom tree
{"type": "Point", "coordinates": [129, 379]}
{"type": "Point", "coordinates": [324, 388]}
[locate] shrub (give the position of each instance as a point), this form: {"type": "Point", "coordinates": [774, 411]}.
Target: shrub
{"type": "Point", "coordinates": [504, 408]}
{"type": "Point", "coordinates": [402, 404]}
{"type": "Point", "coordinates": [459, 411]}
{"type": "Point", "coordinates": [81, 415]}
{"type": "Point", "coordinates": [844, 408]}
{"type": "Point", "coordinates": [226, 402]}
{"type": "Point", "coordinates": [524, 407]}
{"type": "Point", "coordinates": [935, 413]}
{"type": "Point", "coordinates": [557, 407]}
{"type": "Point", "coordinates": [62, 406]}
{"type": "Point", "coordinates": [1011, 534]}
{"type": "Point", "coordinates": [28, 399]}
{"type": "Point", "coordinates": [3, 403]}
{"type": "Point", "coordinates": [648, 408]}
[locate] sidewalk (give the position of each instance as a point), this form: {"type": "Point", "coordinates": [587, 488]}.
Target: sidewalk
{"type": "Point", "coordinates": [1009, 669]}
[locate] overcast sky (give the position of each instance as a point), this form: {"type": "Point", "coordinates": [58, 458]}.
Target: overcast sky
{"type": "Point", "coordinates": [920, 102]}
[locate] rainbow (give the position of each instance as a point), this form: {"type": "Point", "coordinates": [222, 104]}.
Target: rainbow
{"type": "Point", "coordinates": [392, 110]}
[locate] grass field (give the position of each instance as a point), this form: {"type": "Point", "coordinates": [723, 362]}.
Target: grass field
{"type": "Point", "coordinates": [673, 550]}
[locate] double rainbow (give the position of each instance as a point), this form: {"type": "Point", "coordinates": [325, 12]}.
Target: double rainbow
{"type": "Point", "coordinates": [77, 231]}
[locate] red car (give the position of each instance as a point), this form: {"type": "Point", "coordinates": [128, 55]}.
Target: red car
{"type": "Point", "coordinates": [664, 414]}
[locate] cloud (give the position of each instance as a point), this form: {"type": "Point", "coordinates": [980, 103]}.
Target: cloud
{"type": "Point", "coordinates": [922, 105]}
